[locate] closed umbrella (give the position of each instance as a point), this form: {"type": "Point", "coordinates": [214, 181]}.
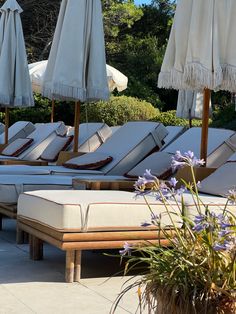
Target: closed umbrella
{"type": "Point", "coordinates": [115, 79]}
{"type": "Point", "coordinates": [15, 85]}
{"type": "Point", "coordinates": [200, 54]}
{"type": "Point", "coordinates": [76, 67]}
{"type": "Point", "coordinates": [190, 105]}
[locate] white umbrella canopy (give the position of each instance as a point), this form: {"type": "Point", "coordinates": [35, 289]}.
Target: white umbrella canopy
{"type": "Point", "coordinates": [76, 67]}
{"type": "Point", "coordinates": [15, 85]}
{"type": "Point", "coordinates": [115, 79]}
{"type": "Point", "coordinates": [200, 54]}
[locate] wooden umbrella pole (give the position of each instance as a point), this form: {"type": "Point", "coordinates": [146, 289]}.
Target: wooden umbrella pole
{"type": "Point", "coordinates": [205, 121]}
{"type": "Point", "coordinates": [6, 124]}
{"type": "Point", "coordinates": [53, 109]}
{"type": "Point", "coordinates": [76, 126]}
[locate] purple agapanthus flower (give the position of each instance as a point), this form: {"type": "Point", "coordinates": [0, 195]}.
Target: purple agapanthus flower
{"type": "Point", "coordinates": [232, 196]}
{"type": "Point", "coordinates": [181, 190]}
{"type": "Point", "coordinates": [225, 225]}
{"type": "Point", "coordinates": [145, 224]}
{"type": "Point", "coordinates": [142, 181]}
{"type": "Point", "coordinates": [226, 245]}
{"type": "Point", "coordinates": [223, 233]}
{"type": "Point", "coordinates": [198, 219]}
{"type": "Point", "coordinates": [127, 249]}
{"type": "Point", "coordinates": [173, 182]}
{"type": "Point", "coordinates": [186, 159]}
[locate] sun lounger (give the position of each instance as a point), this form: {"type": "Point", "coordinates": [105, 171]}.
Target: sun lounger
{"type": "Point", "coordinates": [20, 129]}
{"type": "Point", "coordinates": [91, 136]}
{"type": "Point", "coordinates": [220, 148]}
{"type": "Point", "coordinates": [130, 144]}
{"type": "Point", "coordinates": [127, 147]}
{"type": "Point", "coordinates": [173, 133]}
{"type": "Point", "coordinates": [42, 136]}
{"type": "Point", "coordinates": [75, 221]}
{"type": "Point", "coordinates": [47, 140]}
{"type": "Point", "coordinates": [160, 166]}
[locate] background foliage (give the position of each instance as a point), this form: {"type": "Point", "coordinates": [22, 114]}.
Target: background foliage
{"type": "Point", "coordinates": [136, 39]}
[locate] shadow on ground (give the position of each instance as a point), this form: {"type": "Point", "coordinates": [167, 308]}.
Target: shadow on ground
{"type": "Point", "coordinates": [16, 267]}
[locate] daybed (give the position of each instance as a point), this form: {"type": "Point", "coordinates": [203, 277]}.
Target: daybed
{"type": "Point", "coordinates": [82, 220]}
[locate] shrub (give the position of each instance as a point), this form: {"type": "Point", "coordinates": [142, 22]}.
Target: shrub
{"type": "Point", "coordinates": [119, 110]}
{"type": "Point", "coordinates": [225, 117]}
{"type": "Point", "coordinates": [169, 118]}
{"type": "Point", "coordinates": [41, 112]}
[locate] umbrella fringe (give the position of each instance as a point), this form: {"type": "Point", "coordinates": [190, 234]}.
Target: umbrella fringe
{"type": "Point", "coordinates": [229, 78]}
{"type": "Point", "coordinates": [95, 94]}
{"type": "Point", "coordinates": [11, 101]}
{"type": "Point", "coordinates": [60, 91]}
{"type": "Point", "coordinates": [172, 79]}
{"type": "Point", "coordinates": [197, 75]}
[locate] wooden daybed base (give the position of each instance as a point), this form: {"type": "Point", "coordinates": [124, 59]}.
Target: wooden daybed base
{"type": "Point", "coordinates": [9, 211]}
{"type": "Point", "coordinates": [75, 242]}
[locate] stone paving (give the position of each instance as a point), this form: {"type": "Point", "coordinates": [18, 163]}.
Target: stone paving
{"type": "Point", "coordinates": [28, 286]}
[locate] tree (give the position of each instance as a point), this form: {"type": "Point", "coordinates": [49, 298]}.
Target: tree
{"type": "Point", "coordinates": [138, 52]}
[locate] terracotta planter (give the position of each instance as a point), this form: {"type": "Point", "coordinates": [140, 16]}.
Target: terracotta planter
{"type": "Point", "coordinates": [162, 305]}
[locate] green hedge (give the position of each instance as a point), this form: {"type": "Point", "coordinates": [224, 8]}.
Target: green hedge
{"type": "Point", "coordinates": [169, 118]}
{"type": "Point", "coordinates": [224, 117]}
{"type": "Point", "coordinates": [116, 111]}
{"type": "Point", "coordinates": [119, 110]}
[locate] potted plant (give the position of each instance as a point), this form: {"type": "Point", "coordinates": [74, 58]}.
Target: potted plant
{"type": "Point", "coordinates": [196, 273]}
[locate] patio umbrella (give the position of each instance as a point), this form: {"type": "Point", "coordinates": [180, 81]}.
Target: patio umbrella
{"type": "Point", "coordinates": [115, 79]}
{"type": "Point", "coordinates": [200, 54]}
{"type": "Point", "coordinates": [190, 105]}
{"type": "Point", "coordinates": [15, 86]}
{"type": "Point", "coordinates": [76, 67]}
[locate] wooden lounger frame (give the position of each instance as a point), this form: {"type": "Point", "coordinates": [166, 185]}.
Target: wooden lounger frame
{"type": "Point", "coordinates": [7, 210]}
{"type": "Point", "coordinates": [75, 242]}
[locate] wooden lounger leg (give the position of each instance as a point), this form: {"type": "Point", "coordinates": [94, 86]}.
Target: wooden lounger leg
{"type": "Point", "coordinates": [19, 235]}
{"type": "Point", "coordinates": [70, 266]}
{"type": "Point", "coordinates": [36, 248]}
{"type": "Point", "coordinates": [77, 275]}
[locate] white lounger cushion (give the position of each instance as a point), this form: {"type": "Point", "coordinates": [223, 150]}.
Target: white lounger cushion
{"type": "Point", "coordinates": [173, 133]}
{"type": "Point", "coordinates": [19, 129]}
{"type": "Point", "coordinates": [43, 136]}
{"type": "Point", "coordinates": [103, 210]}
{"type": "Point", "coordinates": [159, 163]}
{"type": "Point", "coordinates": [58, 144]}
{"type": "Point", "coordinates": [215, 204]}
{"type": "Point", "coordinates": [16, 147]}
{"type": "Point", "coordinates": [89, 210]}
{"type": "Point", "coordinates": [91, 136]}
{"type": "Point", "coordinates": [54, 170]}
{"type": "Point", "coordinates": [91, 161]}
{"type": "Point", "coordinates": [130, 144]}
{"type": "Point", "coordinates": [191, 140]}
{"type": "Point", "coordinates": [222, 153]}
{"type": "Point", "coordinates": [222, 180]}
{"type": "Point", "coordinates": [14, 185]}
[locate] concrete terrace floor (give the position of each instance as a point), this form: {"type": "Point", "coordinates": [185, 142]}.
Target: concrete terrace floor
{"type": "Point", "coordinates": [28, 286]}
